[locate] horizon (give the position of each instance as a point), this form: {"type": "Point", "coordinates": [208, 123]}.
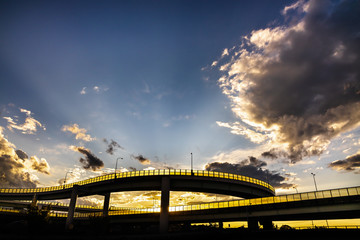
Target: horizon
{"type": "Point", "coordinates": [269, 90]}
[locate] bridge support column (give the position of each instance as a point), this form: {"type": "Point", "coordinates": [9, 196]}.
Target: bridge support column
{"type": "Point", "coordinates": [221, 225]}
{"type": "Point", "coordinates": [267, 224]}
{"type": "Point", "coordinates": [70, 218]}
{"type": "Point", "coordinates": [106, 204]}
{"type": "Point", "coordinates": [253, 224]}
{"type": "Point", "coordinates": [164, 207]}
{"type": "Point", "coordinates": [34, 200]}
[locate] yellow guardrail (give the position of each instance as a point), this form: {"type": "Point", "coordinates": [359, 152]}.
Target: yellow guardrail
{"type": "Point", "coordinates": [178, 172]}
{"type": "Point", "coordinates": [57, 204]}
{"type": "Point", "coordinates": [8, 210]}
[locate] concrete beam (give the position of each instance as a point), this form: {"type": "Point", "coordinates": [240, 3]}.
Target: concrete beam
{"type": "Point", "coordinates": [70, 217]}
{"type": "Point", "coordinates": [164, 206]}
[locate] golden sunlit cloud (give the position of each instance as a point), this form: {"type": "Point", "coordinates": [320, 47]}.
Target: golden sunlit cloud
{"type": "Point", "coordinates": [350, 164]}
{"type": "Point", "coordinates": [28, 127]}
{"type": "Point", "coordinates": [17, 169]}
{"type": "Point", "coordinates": [80, 133]}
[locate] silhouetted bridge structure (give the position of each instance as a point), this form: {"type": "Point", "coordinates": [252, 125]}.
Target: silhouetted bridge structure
{"type": "Point", "coordinates": [260, 204]}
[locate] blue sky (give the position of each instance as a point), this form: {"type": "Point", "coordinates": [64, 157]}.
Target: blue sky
{"type": "Point", "coordinates": [147, 74]}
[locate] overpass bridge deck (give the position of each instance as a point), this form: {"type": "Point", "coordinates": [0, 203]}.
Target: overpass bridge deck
{"type": "Point", "coordinates": [318, 198]}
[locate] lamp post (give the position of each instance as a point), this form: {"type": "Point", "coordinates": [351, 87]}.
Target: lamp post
{"type": "Point", "coordinates": [313, 174]}
{"type": "Point", "coordinates": [116, 164]}
{"type": "Point", "coordinates": [66, 177]}
{"type": "Point", "coordinates": [296, 189]}
{"type": "Point", "coordinates": [192, 164]}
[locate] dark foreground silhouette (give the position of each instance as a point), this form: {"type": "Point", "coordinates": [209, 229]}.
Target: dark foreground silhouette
{"type": "Point", "coordinates": [40, 227]}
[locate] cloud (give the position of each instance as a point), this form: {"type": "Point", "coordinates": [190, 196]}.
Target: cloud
{"type": "Point", "coordinates": [100, 89]}
{"type": "Point", "coordinates": [95, 89]}
{"type": "Point", "coordinates": [112, 146]}
{"type": "Point", "coordinates": [251, 167]}
{"type": "Point", "coordinates": [40, 165]}
{"type": "Point", "coordinates": [74, 175]}
{"type": "Point", "coordinates": [300, 5]}
{"type": "Point", "coordinates": [90, 161]}
{"type": "Point", "coordinates": [350, 164]}
{"type": "Point", "coordinates": [83, 91]}
{"type": "Point", "coordinates": [240, 129]}
{"type": "Point", "coordinates": [297, 85]}
{"type": "Point", "coordinates": [21, 154]}
{"type": "Point", "coordinates": [225, 52]}
{"type": "Point", "coordinates": [16, 170]}
{"type": "Point", "coordinates": [80, 133]}
{"type": "Point", "coordinates": [30, 125]}
{"type": "Point", "coordinates": [143, 160]}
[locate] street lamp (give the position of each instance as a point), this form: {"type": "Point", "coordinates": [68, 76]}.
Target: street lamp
{"type": "Point", "coordinates": [313, 174]}
{"type": "Point", "coordinates": [192, 164]}
{"type": "Point", "coordinates": [66, 177]}
{"type": "Point", "coordinates": [296, 189]}
{"type": "Point", "coordinates": [116, 164]}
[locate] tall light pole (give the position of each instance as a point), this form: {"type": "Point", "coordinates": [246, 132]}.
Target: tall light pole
{"type": "Point", "coordinates": [313, 174]}
{"type": "Point", "coordinates": [296, 189]}
{"type": "Point", "coordinates": [192, 164]}
{"type": "Point", "coordinates": [66, 177]}
{"type": "Point", "coordinates": [116, 164]}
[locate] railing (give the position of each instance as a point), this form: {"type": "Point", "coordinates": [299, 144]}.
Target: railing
{"type": "Point", "coordinates": [9, 210]}
{"type": "Point", "coordinates": [54, 204]}
{"type": "Point", "coordinates": [178, 172]}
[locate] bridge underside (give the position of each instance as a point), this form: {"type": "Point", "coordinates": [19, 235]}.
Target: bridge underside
{"type": "Point", "coordinates": [328, 204]}
{"type": "Point", "coordinates": [153, 183]}
{"type": "Point", "coordinates": [342, 208]}
{"type": "Point", "coordinates": [163, 183]}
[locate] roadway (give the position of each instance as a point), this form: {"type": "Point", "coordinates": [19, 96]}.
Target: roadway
{"type": "Point", "coordinates": [164, 180]}
{"type": "Point", "coordinates": [180, 180]}
{"type": "Point", "coordinates": [263, 206]}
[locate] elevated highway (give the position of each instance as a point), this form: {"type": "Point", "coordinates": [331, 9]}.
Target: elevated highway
{"type": "Point", "coordinates": [261, 204]}
{"type": "Point", "coordinates": [181, 180]}
{"type": "Point", "coordinates": [328, 204]}
{"type": "Point", "coordinates": [164, 180]}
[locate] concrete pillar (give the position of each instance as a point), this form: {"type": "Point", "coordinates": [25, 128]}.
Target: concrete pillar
{"type": "Point", "coordinates": [34, 200]}
{"type": "Point", "coordinates": [164, 207]}
{"type": "Point", "coordinates": [106, 204]}
{"type": "Point", "coordinates": [70, 218]}
{"type": "Point", "coordinates": [253, 224]}
{"type": "Point", "coordinates": [267, 224]}
{"type": "Point", "coordinates": [221, 225]}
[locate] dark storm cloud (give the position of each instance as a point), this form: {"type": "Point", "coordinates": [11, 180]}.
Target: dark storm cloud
{"type": "Point", "coordinates": [251, 167]}
{"type": "Point", "coordinates": [350, 164]}
{"type": "Point", "coordinates": [300, 82]}
{"type": "Point", "coordinates": [21, 154]}
{"type": "Point", "coordinates": [12, 174]}
{"type": "Point", "coordinates": [143, 160]}
{"type": "Point", "coordinates": [90, 161]}
{"type": "Point", "coordinates": [40, 165]}
{"type": "Point", "coordinates": [112, 146]}
{"type": "Point", "coordinates": [15, 166]}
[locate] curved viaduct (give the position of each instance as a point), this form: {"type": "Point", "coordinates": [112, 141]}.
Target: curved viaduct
{"type": "Point", "coordinates": [164, 180]}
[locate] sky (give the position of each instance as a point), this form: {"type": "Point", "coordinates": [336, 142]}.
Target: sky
{"type": "Point", "coordinates": [268, 89]}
